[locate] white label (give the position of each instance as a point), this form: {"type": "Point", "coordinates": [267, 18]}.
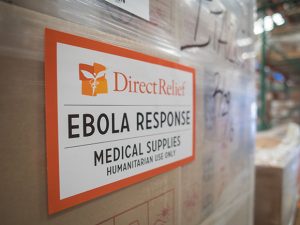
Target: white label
{"type": "Point", "coordinates": [139, 117]}
{"type": "Point", "coordinates": [136, 7]}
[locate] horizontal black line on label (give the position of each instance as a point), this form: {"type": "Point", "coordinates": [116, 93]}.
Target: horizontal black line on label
{"type": "Point", "coordinates": [122, 139]}
{"type": "Point", "coordinates": [124, 105]}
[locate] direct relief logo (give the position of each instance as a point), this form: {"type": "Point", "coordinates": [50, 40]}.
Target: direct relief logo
{"type": "Point", "coordinates": [93, 79]}
{"type": "Point", "coordinates": [94, 83]}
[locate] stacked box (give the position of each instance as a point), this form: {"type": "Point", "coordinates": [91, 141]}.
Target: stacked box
{"type": "Point", "coordinates": [285, 111]}
{"type": "Point", "coordinates": [216, 188]}
{"type": "Point", "coordinates": [277, 166]}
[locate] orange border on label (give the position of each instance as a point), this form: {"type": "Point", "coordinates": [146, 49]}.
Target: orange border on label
{"type": "Point", "coordinates": [52, 37]}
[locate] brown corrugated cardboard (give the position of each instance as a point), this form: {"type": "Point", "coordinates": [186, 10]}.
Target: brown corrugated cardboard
{"type": "Point", "coordinates": [277, 164]}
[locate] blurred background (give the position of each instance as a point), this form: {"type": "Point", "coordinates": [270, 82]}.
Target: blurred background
{"type": "Point", "coordinates": [277, 46]}
{"type": "Point", "coordinates": [277, 30]}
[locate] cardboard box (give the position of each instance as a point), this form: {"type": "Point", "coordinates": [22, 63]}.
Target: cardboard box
{"type": "Point", "coordinates": [276, 185]}
{"type": "Point", "coordinates": [216, 188]}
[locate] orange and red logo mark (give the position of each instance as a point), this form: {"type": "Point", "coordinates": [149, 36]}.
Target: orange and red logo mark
{"type": "Point", "coordinates": [93, 79]}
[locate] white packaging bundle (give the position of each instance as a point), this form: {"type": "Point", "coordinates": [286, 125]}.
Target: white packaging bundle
{"type": "Point", "coordinates": [277, 169]}
{"type": "Point", "coordinates": [215, 188]}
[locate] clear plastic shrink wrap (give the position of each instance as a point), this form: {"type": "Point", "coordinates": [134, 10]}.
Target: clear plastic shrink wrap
{"type": "Point", "coordinates": [277, 167]}
{"type": "Point", "coordinates": [212, 36]}
{"type": "Point", "coordinates": [218, 43]}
